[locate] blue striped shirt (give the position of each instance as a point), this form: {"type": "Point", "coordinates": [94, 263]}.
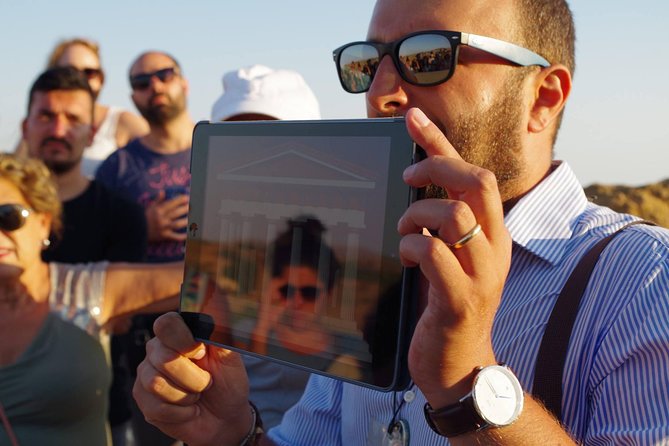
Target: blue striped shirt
{"type": "Point", "coordinates": [616, 381]}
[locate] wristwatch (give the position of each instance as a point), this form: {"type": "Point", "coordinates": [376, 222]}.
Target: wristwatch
{"type": "Point", "coordinates": [496, 400]}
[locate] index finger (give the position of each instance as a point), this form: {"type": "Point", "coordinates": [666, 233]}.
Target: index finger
{"type": "Point", "coordinates": [428, 136]}
{"type": "Point", "coordinates": [444, 167]}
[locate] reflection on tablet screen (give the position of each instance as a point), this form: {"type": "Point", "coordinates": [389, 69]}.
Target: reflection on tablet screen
{"type": "Point", "coordinates": [292, 250]}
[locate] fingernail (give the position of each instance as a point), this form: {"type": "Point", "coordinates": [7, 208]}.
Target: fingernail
{"type": "Point", "coordinates": [420, 118]}
{"type": "Point", "coordinates": [408, 172]}
{"type": "Point", "coordinates": [200, 353]}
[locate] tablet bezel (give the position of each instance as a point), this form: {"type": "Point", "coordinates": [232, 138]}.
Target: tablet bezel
{"type": "Point", "coordinates": [391, 376]}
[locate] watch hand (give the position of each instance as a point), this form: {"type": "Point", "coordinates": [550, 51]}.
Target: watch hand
{"type": "Point", "coordinates": [494, 392]}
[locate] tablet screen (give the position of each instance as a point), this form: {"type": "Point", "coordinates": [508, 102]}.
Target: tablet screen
{"type": "Point", "coordinates": [292, 250]}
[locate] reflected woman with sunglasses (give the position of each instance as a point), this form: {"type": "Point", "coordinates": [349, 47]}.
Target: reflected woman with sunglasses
{"type": "Point", "coordinates": [54, 375]}
{"type": "Point", "coordinates": [305, 272]}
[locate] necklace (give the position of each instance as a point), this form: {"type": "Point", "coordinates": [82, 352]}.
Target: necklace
{"type": "Point", "coordinates": [397, 432]}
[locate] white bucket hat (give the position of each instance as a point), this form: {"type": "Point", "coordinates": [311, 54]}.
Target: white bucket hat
{"type": "Point", "coordinates": [281, 94]}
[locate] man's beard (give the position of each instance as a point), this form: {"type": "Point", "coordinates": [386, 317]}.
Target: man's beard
{"type": "Point", "coordinates": [59, 167]}
{"type": "Point", "coordinates": [161, 114]}
{"type": "Point", "coordinates": [491, 139]}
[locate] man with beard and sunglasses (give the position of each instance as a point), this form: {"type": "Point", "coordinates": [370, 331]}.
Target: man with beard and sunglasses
{"type": "Point", "coordinates": [98, 224]}
{"type": "Point", "coordinates": [153, 171]}
{"type": "Point", "coordinates": [506, 233]}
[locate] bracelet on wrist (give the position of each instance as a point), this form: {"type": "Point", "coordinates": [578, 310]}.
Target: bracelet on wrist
{"type": "Point", "coordinates": [256, 431]}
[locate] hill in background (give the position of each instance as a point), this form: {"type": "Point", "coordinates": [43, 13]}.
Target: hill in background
{"type": "Point", "coordinates": [650, 202]}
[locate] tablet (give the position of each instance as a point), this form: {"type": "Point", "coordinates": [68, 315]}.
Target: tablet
{"type": "Point", "coordinates": [293, 251]}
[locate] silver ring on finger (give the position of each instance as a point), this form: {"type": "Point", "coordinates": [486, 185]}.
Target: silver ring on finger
{"type": "Point", "coordinates": [476, 230]}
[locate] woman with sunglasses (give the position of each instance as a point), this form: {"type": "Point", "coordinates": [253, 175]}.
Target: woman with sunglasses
{"type": "Point", "coordinates": [114, 126]}
{"type": "Point", "coordinates": [54, 376]}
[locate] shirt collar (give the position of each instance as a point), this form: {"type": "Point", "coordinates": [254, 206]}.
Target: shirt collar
{"type": "Point", "coordinates": [543, 221]}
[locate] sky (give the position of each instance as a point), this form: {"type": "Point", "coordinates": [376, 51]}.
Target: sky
{"type": "Point", "coordinates": [615, 129]}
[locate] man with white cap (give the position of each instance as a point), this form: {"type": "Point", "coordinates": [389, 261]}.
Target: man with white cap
{"type": "Point", "coordinates": [258, 93]}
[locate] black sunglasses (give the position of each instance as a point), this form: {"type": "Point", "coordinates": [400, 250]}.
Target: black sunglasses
{"type": "Point", "coordinates": [308, 293]}
{"type": "Point", "coordinates": [12, 216]}
{"type": "Point", "coordinates": [143, 80]}
{"type": "Point", "coordinates": [423, 58]}
{"type": "Point", "coordinates": [91, 73]}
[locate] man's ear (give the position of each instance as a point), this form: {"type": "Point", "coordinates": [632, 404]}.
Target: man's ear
{"type": "Point", "coordinates": [24, 128]}
{"type": "Point", "coordinates": [551, 89]}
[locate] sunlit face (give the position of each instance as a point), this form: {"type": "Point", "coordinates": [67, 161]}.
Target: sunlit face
{"type": "Point", "coordinates": [301, 293]}
{"type": "Point", "coordinates": [59, 127]}
{"type": "Point", "coordinates": [481, 108]}
{"type": "Point", "coordinates": [22, 247]}
{"type": "Point", "coordinates": [160, 102]}
{"type": "Point", "coordinates": [82, 58]}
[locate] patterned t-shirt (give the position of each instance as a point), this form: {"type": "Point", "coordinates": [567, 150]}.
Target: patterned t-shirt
{"type": "Point", "coordinates": [139, 174]}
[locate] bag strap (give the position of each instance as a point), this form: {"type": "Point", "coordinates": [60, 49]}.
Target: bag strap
{"type": "Point", "coordinates": [553, 349]}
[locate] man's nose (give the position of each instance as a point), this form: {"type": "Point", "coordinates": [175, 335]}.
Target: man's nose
{"type": "Point", "coordinates": [386, 95]}
{"type": "Point", "coordinates": [156, 84]}
{"type": "Point", "coordinates": [60, 126]}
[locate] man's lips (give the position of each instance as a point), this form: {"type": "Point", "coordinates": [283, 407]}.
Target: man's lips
{"type": "Point", "coordinates": [159, 100]}
{"type": "Point", "coordinates": [56, 145]}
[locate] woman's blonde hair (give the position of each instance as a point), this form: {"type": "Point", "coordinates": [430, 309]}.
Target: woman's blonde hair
{"type": "Point", "coordinates": [33, 179]}
{"type": "Point", "coordinates": [65, 44]}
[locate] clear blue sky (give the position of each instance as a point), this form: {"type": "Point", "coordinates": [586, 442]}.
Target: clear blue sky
{"type": "Point", "coordinates": [616, 128]}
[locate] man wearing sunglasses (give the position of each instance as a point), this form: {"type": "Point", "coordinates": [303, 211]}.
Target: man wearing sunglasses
{"type": "Point", "coordinates": [482, 85]}
{"type": "Point", "coordinates": [152, 164]}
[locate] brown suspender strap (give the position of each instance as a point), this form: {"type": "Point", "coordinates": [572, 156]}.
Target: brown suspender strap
{"type": "Point", "coordinates": [553, 349]}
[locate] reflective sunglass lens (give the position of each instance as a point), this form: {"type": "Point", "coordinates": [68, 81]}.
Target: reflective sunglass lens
{"type": "Point", "coordinates": [12, 217]}
{"type": "Point", "coordinates": [142, 81]}
{"type": "Point", "coordinates": [165, 75]}
{"type": "Point", "coordinates": [358, 64]}
{"type": "Point", "coordinates": [308, 293]}
{"type": "Point", "coordinates": [426, 59]}
{"type": "Point", "coordinates": [92, 72]}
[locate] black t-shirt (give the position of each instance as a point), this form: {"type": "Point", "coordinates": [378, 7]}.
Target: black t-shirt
{"type": "Point", "coordinates": [99, 225]}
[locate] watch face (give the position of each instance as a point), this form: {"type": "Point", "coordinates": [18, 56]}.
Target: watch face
{"type": "Point", "coordinates": [498, 396]}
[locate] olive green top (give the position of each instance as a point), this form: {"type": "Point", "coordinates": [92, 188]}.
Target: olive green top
{"type": "Point", "coordinates": [56, 392]}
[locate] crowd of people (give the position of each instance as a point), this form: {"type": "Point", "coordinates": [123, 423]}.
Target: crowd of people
{"type": "Point", "coordinates": [93, 213]}
{"type": "Point", "coordinates": [91, 255]}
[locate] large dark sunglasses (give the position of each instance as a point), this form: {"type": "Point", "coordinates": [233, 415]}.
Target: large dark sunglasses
{"type": "Point", "coordinates": [308, 293]}
{"type": "Point", "coordinates": [91, 73]}
{"type": "Point", "coordinates": [12, 216]}
{"type": "Point", "coordinates": [143, 80]}
{"type": "Point", "coordinates": [424, 58]}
